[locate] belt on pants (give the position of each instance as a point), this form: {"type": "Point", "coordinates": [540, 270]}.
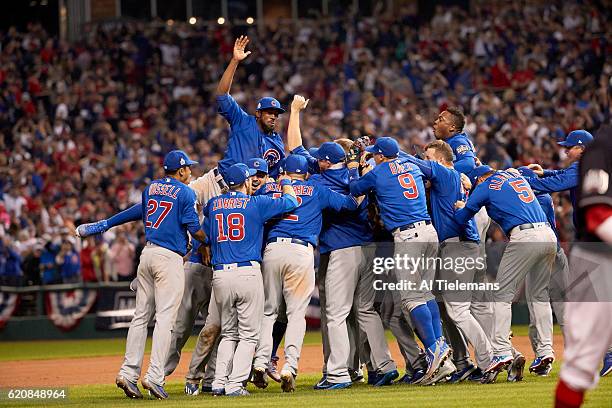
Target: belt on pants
{"type": "Point", "coordinates": [459, 239]}
{"type": "Point", "coordinates": [153, 244]}
{"type": "Point", "coordinates": [289, 241]}
{"type": "Point", "coordinates": [413, 225]}
{"type": "Point", "coordinates": [226, 267]}
{"type": "Point", "coordinates": [220, 181]}
{"type": "Point", "coordinates": [534, 225]}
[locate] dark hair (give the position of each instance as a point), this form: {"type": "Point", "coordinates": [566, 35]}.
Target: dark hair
{"type": "Point", "coordinates": [457, 117]}
{"type": "Point", "coordinates": [442, 148]}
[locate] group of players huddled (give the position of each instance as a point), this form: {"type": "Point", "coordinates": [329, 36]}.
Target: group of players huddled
{"type": "Point", "coordinates": [251, 269]}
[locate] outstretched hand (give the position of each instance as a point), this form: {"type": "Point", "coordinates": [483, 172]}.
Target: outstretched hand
{"type": "Point", "coordinates": [239, 46]}
{"type": "Point", "coordinates": [299, 103]}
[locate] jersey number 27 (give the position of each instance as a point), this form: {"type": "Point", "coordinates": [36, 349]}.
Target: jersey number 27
{"type": "Point", "coordinates": [152, 207]}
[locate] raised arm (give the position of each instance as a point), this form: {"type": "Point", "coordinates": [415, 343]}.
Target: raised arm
{"type": "Point", "coordinates": [294, 136]}
{"type": "Point", "coordinates": [239, 54]}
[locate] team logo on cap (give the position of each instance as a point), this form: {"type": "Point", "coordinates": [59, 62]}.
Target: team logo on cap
{"type": "Point", "coordinates": [274, 103]}
{"type": "Point", "coordinates": [256, 164]}
{"type": "Point", "coordinates": [182, 161]}
{"type": "Point", "coordinates": [246, 173]}
{"type": "Point", "coordinates": [272, 156]}
{"type": "Point", "coordinates": [259, 105]}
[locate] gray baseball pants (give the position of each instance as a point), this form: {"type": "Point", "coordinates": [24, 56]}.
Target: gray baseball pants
{"type": "Point", "coordinates": [161, 282]}
{"type": "Point", "coordinates": [288, 273]}
{"type": "Point", "coordinates": [204, 357]}
{"type": "Point", "coordinates": [350, 278]}
{"type": "Point", "coordinates": [196, 296]}
{"type": "Point", "coordinates": [239, 295]}
{"type": "Point", "coordinates": [529, 251]}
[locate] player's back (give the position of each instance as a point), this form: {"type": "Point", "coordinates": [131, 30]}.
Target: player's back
{"type": "Point", "coordinates": [165, 202]}
{"type": "Point", "coordinates": [304, 222]}
{"type": "Point", "coordinates": [400, 193]}
{"type": "Point", "coordinates": [512, 202]}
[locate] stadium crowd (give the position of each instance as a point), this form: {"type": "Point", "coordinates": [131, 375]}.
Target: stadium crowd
{"type": "Point", "coordinates": [84, 125]}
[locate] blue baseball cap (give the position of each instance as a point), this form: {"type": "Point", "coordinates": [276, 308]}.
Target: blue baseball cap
{"type": "Point", "coordinates": [331, 151]}
{"type": "Point", "coordinates": [177, 159]}
{"type": "Point", "coordinates": [258, 164]}
{"type": "Point", "coordinates": [237, 173]}
{"type": "Point", "coordinates": [268, 102]}
{"type": "Point", "coordinates": [527, 172]}
{"type": "Point", "coordinates": [479, 171]}
{"type": "Point", "coordinates": [577, 138]}
{"type": "Point", "coordinates": [387, 146]}
{"type": "Point", "coordinates": [294, 163]}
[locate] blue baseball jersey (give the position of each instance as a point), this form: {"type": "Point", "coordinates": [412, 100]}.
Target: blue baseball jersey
{"type": "Point", "coordinates": [305, 221]}
{"type": "Point", "coordinates": [399, 191]}
{"type": "Point", "coordinates": [558, 180]}
{"type": "Point", "coordinates": [342, 229]}
{"type": "Point", "coordinates": [509, 201]}
{"type": "Point", "coordinates": [234, 223]}
{"type": "Point", "coordinates": [446, 189]}
{"type": "Point", "coordinates": [168, 212]}
{"type": "Point", "coordinates": [195, 256]}
{"type": "Point", "coordinates": [313, 163]}
{"type": "Point", "coordinates": [246, 139]}
{"type": "Point", "coordinates": [464, 152]}
{"type": "Point", "coordinates": [546, 202]}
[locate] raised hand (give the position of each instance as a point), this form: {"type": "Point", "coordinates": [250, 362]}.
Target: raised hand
{"type": "Point", "coordinates": [239, 46]}
{"type": "Point", "coordinates": [298, 103]}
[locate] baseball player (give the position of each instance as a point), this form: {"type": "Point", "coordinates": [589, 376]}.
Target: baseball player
{"type": "Point", "coordinates": [400, 195]}
{"type": "Point", "coordinates": [456, 242]}
{"type": "Point", "coordinates": [558, 278]}
{"type": "Point", "coordinates": [511, 203]}
{"type": "Point", "coordinates": [288, 265]}
{"type": "Point", "coordinates": [589, 308]}
{"type": "Point", "coordinates": [449, 128]}
{"type": "Point", "coordinates": [169, 208]}
{"type": "Point", "coordinates": [235, 222]}
{"type": "Point", "coordinates": [345, 269]}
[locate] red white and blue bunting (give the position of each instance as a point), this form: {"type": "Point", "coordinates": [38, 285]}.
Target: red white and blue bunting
{"type": "Point", "coordinates": [67, 308]}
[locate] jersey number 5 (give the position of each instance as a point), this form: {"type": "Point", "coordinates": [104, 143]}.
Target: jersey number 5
{"type": "Point", "coordinates": [235, 227]}
{"type": "Point", "coordinates": [152, 207]}
{"type": "Point", "coordinates": [524, 192]}
{"type": "Point", "coordinates": [407, 182]}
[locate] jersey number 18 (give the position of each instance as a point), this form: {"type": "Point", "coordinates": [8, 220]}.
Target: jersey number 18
{"type": "Point", "coordinates": [235, 227]}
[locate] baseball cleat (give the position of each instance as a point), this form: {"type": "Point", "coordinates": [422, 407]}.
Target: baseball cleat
{"type": "Point", "coordinates": [462, 374]}
{"type": "Point", "coordinates": [607, 365]}
{"type": "Point", "coordinates": [287, 381]}
{"type": "Point", "coordinates": [155, 390]}
{"type": "Point", "coordinates": [92, 228]}
{"type": "Point", "coordinates": [192, 388]}
{"type": "Point", "coordinates": [489, 377]}
{"type": "Point", "coordinates": [356, 375]}
{"type": "Point", "coordinates": [131, 389]}
{"type": "Point", "coordinates": [206, 389]}
{"type": "Point", "coordinates": [241, 392]}
{"type": "Point", "coordinates": [272, 369]}
{"type": "Point", "coordinates": [260, 378]}
{"type": "Point", "coordinates": [446, 370]}
{"type": "Point", "coordinates": [516, 369]}
{"type": "Point", "coordinates": [498, 363]}
{"type": "Point", "coordinates": [373, 377]}
{"type": "Point", "coordinates": [326, 385]}
{"type": "Point", "coordinates": [417, 377]}
{"type": "Point", "coordinates": [541, 364]}
{"type": "Point", "coordinates": [435, 357]}
{"type": "Point", "coordinates": [476, 376]}
{"type": "Point", "coordinates": [217, 392]}
{"type": "Point", "coordinates": [386, 378]}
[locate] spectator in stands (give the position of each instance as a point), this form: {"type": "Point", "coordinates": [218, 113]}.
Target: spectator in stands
{"type": "Point", "coordinates": [69, 263]}
{"type": "Point", "coordinates": [121, 255]}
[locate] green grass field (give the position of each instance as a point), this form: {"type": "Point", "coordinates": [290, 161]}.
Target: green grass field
{"type": "Point", "coordinates": [532, 392]}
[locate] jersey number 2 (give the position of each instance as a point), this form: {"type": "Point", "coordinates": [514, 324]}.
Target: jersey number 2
{"type": "Point", "coordinates": [235, 227]}
{"type": "Point", "coordinates": [152, 207]}
{"type": "Point", "coordinates": [289, 217]}
{"type": "Point", "coordinates": [407, 181]}
{"type": "Point", "coordinates": [524, 192]}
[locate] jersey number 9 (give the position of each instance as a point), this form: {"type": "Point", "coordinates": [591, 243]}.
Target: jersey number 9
{"type": "Point", "coordinates": [407, 182]}
{"type": "Point", "coordinates": [235, 227]}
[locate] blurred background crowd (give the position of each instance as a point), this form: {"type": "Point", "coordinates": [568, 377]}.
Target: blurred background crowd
{"type": "Point", "coordinates": [84, 125]}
